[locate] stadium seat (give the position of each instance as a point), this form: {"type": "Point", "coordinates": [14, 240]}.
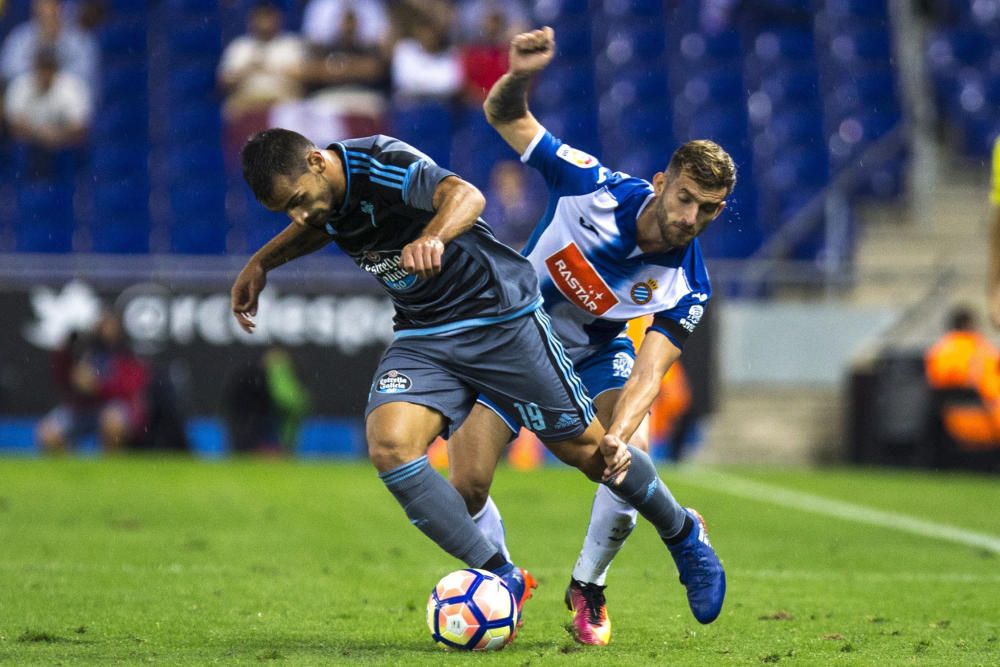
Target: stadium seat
{"type": "Point", "coordinates": [121, 120]}
{"type": "Point", "coordinates": [196, 123]}
{"type": "Point", "coordinates": [44, 218]}
{"type": "Point", "coordinates": [561, 85]}
{"type": "Point", "coordinates": [193, 39]}
{"type": "Point", "coordinates": [192, 80]}
{"type": "Point", "coordinates": [124, 84]}
{"type": "Point", "coordinates": [426, 125]}
{"type": "Point", "coordinates": [870, 45]}
{"type": "Point", "coordinates": [555, 11]}
{"type": "Point", "coordinates": [784, 44]}
{"type": "Point", "coordinates": [708, 49]}
{"type": "Point", "coordinates": [796, 84]}
{"type": "Point", "coordinates": [123, 35]}
{"type": "Point", "coordinates": [117, 160]}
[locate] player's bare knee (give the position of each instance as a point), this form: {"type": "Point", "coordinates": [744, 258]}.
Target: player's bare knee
{"type": "Point", "coordinates": [390, 447]}
{"type": "Point", "coordinates": [475, 492]}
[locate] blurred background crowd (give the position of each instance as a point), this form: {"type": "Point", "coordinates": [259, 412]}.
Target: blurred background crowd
{"type": "Point", "coordinates": [849, 120]}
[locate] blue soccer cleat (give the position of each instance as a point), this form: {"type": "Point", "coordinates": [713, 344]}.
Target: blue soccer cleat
{"type": "Point", "coordinates": [700, 570]}
{"type": "Point", "coordinates": [521, 585]}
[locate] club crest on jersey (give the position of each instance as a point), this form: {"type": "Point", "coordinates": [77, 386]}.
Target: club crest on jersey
{"type": "Point", "coordinates": [579, 281]}
{"type": "Point", "coordinates": [387, 269]}
{"type": "Point", "coordinates": [393, 382]}
{"type": "Point", "coordinates": [641, 293]}
{"type": "Point", "coordinates": [621, 365]}
{"type": "Point", "coordinates": [576, 157]}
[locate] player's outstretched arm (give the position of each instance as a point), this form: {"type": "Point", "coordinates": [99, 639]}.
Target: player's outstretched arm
{"type": "Point", "coordinates": [457, 205]}
{"type": "Point", "coordinates": [293, 241]}
{"type": "Point", "coordinates": [655, 357]}
{"type": "Point", "coordinates": [506, 106]}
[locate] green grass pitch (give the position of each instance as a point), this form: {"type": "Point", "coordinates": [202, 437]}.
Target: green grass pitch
{"type": "Point", "coordinates": [177, 562]}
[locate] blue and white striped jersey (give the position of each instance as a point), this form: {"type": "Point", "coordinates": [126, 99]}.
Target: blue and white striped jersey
{"type": "Point", "coordinates": [389, 201]}
{"type": "Point", "coordinates": [592, 275]}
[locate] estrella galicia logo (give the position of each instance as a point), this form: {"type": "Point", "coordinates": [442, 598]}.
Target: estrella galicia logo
{"type": "Point", "coordinates": [393, 382]}
{"type": "Point", "coordinates": [641, 293]}
{"type": "Point", "coordinates": [386, 267]}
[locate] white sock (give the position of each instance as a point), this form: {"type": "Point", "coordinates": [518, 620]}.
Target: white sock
{"type": "Point", "coordinates": [611, 521]}
{"type": "Point", "coordinates": [491, 525]}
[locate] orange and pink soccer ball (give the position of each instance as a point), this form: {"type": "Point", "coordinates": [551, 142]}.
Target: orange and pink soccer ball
{"type": "Point", "coordinates": [472, 610]}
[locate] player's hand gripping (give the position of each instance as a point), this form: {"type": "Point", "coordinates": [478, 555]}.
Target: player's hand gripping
{"type": "Point", "coordinates": [423, 256]}
{"type": "Point", "coordinates": [531, 52]}
{"type": "Point", "coordinates": [617, 458]}
{"type": "Point", "coordinates": [243, 297]}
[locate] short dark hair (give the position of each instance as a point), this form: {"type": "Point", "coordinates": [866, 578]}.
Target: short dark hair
{"type": "Point", "coordinates": [707, 163]}
{"type": "Point", "coordinates": [962, 318]}
{"type": "Point", "coordinates": [270, 153]}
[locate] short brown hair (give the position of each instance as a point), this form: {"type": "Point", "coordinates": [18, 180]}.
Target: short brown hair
{"type": "Point", "coordinates": [707, 163]}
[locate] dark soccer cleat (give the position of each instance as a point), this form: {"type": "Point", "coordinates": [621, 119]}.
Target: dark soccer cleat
{"type": "Point", "coordinates": [521, 584]}
{"type": "Point", "coordinates": [591, 624]}
{"type": "Point", "coordinates": [700, 570]}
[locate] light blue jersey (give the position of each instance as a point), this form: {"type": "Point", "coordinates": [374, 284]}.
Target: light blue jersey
{"type": "Point", "coordinates": [592, 275]}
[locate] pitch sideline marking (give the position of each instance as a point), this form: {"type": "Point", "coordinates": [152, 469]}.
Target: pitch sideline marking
{"type": "Point", "coordinates": [776, 495]}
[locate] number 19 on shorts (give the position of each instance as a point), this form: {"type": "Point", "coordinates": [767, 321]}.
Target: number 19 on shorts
{"type": "Point", "coordinates": [531, 416]}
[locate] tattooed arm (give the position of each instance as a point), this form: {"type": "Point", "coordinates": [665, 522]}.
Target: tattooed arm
{"type": "Point", "coordinates": [506, 106]}
{"type": "Point", "coordinates": [293, 241]}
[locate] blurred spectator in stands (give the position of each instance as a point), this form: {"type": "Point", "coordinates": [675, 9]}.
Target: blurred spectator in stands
{"type": "Point", "coordinates": [475, 17]}
{"type": "Point", "coordinates": [963, 368]}
{"type": "Point", "coordinates": [103, 389]}
{"type": "Point", "coordinates": [349, 76]}
{"type": "Point", "coordinates": [511, 208]}
{"type": "Point", "coordinates": [48, 111]}
{"type": "Point", "coordinates": [76, 50]}
{"type": "Point", "coordinates": [263, 66]}
{"type": "Point", "coordinates": [484, 54]}
{"type": "Point", "coordinates": [994, 286]}
{"type": "Point", "coordinates": [263, 405]}
{"type": "Point", "coordinates": [325, 22]}
{"type": "Point", "coordinates": [425, 65]}
{"type": "Point", "coordinates": [257, 70]}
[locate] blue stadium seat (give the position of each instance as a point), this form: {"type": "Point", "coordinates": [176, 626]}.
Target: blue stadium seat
{"type": "Point", "coordinates": [873, 90]}
{"type": "Point", "coordinates": [791, 85]}
{"type": "Point", "coordinates": [44, 220]}
{"type": "Point", "coordinates": [869, 9]}
{"type": "Point", "coordinates": [192, 39]}
{"type": "Point", "coordinates": [428, 126]}
{"type": "Point", "coordinates": [124, 83]}
{"type": "Point", "coordinates": [706, 48]}
{"type": "Point", "coordinates": [574, 40]}
{"type": "Point", "coordinates": [554, 11]}
{"type": "Point", "coordinates": [194, 160]}
{"type": "Point", "coordinates": [783, 44]}
{"type": "Point", "coordinates": [797, 126]}
{"type": "Point", "coordinates": [192, 80]}
{"type": "Point", "coordinates": [121, 120]}
{"type": "Point", "coordinates": [562, 84]}
{"type": "Point", "coordinates": [870, 45]}
{"type": "Point", "coordinates": [118, 159]}
{"type": "Point", "coordinates": [196, 122]}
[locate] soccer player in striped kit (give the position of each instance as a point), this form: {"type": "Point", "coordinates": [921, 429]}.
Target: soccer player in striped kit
{"type": "Point", "coordinates": [609, 248]}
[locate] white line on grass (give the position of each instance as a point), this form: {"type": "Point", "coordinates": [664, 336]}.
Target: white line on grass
{"type": "Point", "coordinates": [871, 577]}
{"type": "Point", "coordinates": [737, 486]}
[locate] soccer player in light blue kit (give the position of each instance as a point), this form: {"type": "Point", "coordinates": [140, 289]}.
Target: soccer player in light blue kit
{"type": "Point", "coordinates": [609, 248]}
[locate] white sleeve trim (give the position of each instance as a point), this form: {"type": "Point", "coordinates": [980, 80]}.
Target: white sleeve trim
{"type": "Point", "coordinates": [526, 155]}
